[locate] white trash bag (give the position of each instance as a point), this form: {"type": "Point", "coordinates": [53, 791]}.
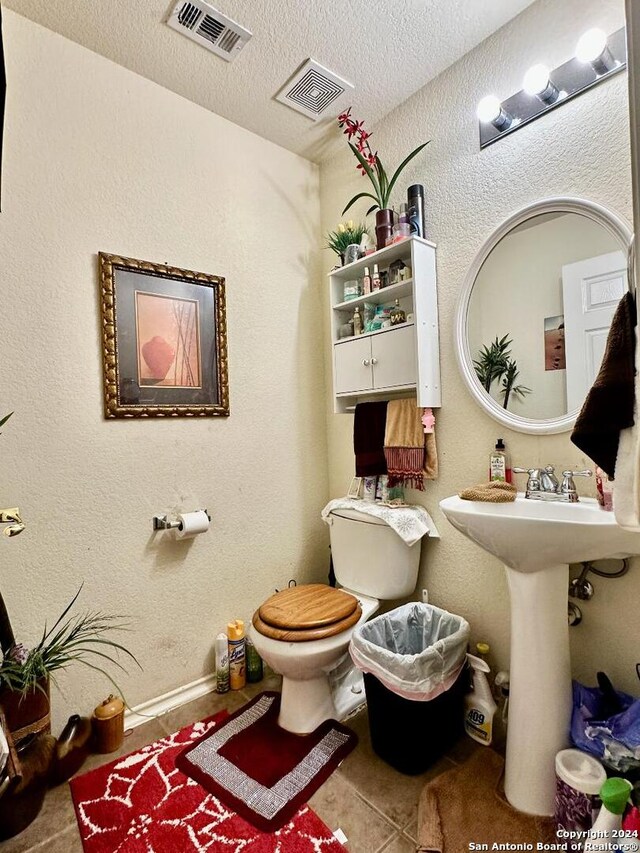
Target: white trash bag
{"type": "Point", "coordinates": [416, 650]}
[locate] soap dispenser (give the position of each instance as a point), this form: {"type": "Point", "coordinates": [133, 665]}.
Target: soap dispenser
{"type": "Point", "coordinates": [500, 464]}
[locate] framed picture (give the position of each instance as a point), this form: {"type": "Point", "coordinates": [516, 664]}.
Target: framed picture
{"type": "Point", "coordinates": [354, 488]}
{"type": "Point", "coordinates": [164, 341]}
{"type": "Point", "coordinates": [554, 352]}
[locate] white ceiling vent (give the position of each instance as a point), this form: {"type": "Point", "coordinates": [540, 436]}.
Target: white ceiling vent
{"type": "Point", "coordinates": [312, 89]}
{"type": "Point", "coordinates": [209, 28]}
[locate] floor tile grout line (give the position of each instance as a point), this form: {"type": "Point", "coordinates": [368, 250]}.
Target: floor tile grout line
{"type": "Point", "coordinates": [39, 845]}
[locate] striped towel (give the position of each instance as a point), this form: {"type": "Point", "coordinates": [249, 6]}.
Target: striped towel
{"type": "Point", "coordinates": [404, 444]}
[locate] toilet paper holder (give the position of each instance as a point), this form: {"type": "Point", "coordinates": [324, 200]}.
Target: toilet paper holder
{"type": "Point", "coordinates": [161, 522]}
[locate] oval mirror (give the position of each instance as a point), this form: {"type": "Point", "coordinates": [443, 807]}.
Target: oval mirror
{"type": "Point", "coordinates": [535, 311]}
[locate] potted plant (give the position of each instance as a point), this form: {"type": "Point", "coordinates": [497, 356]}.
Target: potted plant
{"type": "Point", "coordinates": [494, 362]}
{"type": "Point", "coordinates": [25, 674]}
{"type": "Point", "coordinates": [346, 234]}
{"type": "Point", "coordinates": [369, 164]}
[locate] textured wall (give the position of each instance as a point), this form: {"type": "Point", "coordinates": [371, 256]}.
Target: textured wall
{"type": "Point", "coordinates": [581, 149]}
{"type": "Point", "coordinates": [97, 158]}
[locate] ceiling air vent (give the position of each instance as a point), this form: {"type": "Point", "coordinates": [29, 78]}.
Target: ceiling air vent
{"type": "Point", "coordinates": [209, 28]}
{"type": "Point", "coordinates": [312, 89]}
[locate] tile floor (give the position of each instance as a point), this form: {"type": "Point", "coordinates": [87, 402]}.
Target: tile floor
{"type": "Point", "coordinates": [375, 806]}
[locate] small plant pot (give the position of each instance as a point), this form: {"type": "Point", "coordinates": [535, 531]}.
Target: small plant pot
{"type": "Point", "coordinates": [384, 227]}
{"type": "Point", "coordinates": [27, 713]}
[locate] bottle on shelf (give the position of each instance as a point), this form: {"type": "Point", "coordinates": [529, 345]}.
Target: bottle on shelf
{"type": "Point", "coordinates": [401, 228]}
{"type": "Point", "coordinates": [500, 464]}
{"type": "Point", "coordinates": [397, 315]}
{"type": "Point", "coordinates": [366, 282]}
{"type": "Point", "coordinates": [237, 664]}
{"type": "Point", "coordinates": [357, 322]}
{"type": "Point", "coordinates": [415, 203]}
{"type": "Point", "coordinates": [375, 279]}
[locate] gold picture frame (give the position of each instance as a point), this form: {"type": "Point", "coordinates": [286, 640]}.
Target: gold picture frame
{"type": "Point", "coordinates": [164, 340]}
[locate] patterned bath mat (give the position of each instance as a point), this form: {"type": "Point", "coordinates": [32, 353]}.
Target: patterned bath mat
{"type": "Point", "coordinates": [142, 803]}
{"type": "Point", "coordinates": [258, 769]}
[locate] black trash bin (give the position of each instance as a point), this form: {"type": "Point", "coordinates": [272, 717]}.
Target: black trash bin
{"type": "Point", "coordinates": [415, 678]}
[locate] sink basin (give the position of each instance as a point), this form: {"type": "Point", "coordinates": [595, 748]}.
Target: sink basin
{"type": "Point", "coordinates": [536, 541]}
{"type": "Point", "coordinates": [529, 535]}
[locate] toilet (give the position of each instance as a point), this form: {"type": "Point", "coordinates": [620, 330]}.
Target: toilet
{"type": "Point", "coordinates": [303, 632]}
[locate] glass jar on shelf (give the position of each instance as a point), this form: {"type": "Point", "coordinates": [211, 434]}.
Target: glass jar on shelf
{"type": "Point", "coordinates": [397, 315]}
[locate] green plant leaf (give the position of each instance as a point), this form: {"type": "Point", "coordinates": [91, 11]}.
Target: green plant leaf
{"type": "Point", "coordinates": [384, 182]}
{"type": "Point", "coordinates": [402, 165]}
{"type": "Point", "coordinates": [5, 419]}
{"type": "Point", "coordinates": [359, 196]}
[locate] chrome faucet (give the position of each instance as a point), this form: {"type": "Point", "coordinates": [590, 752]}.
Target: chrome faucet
{"type": "Point", "coordinates": [543, 484]}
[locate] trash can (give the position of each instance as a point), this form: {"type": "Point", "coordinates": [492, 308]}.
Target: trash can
{"type": "Point", "coordinates": [415, 679]}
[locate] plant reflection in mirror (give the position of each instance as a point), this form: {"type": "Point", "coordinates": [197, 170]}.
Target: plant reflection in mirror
{"type": "Point", "coordinates": [494, 363]}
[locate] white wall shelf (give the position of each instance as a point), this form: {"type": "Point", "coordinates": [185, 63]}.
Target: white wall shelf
{"type": "Point", "coordinates": [398, 360]}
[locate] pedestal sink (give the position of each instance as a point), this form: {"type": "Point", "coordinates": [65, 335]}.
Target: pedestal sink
{"type": "Point", "coordinates": [536, 541]}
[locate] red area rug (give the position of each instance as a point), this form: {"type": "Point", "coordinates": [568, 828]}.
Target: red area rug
{"type": "Point", "coordinates": [143, 804]}
{"type": "Point", "coordinates": [261, 771]}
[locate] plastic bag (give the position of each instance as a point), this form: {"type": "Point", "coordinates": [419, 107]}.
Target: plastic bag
{"type": "Point", "coordinates": [416, 650]}
{"type": "Point", "coordinates": [616, 739]}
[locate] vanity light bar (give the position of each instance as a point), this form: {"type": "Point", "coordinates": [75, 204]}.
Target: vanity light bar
{"type": "Point", "coordinates": [597, 58]}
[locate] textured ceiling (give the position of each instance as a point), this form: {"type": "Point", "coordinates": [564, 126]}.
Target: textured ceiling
{"type": "Point", "coordinates": [387, 48]}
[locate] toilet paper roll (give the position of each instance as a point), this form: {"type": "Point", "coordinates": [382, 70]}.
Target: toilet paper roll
{"type": "Point", "coordinates": [192, 523]}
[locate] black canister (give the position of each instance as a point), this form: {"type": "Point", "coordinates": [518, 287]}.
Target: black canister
{"type": "Point", "coordinates": [415, 203]}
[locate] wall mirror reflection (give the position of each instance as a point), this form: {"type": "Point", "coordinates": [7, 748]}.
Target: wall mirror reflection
{"type": "Point", "coordinates": [536, 308]}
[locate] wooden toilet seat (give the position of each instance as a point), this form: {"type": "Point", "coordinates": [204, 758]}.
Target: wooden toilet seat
{"type": "Point", "coordinates": [307, 612]}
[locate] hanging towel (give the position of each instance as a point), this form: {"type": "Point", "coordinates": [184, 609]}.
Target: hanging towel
{"type": "Point", "coordinates": [368, 439]}
{"type": "Point", "coordinates": [430, 457]}
{"type": "Point", "coordinates": [496, 492]}
{"type": "Point", "coordinates": [404, 444]}
{"type": "Point", "coordinates": [608, 408]}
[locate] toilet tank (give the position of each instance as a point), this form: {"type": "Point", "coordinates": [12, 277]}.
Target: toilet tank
{"type": "Point", "coordinates": [369, 557]}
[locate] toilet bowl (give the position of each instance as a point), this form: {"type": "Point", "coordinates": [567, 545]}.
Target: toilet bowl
{"type": "Point", "coordinates": [304, 632]}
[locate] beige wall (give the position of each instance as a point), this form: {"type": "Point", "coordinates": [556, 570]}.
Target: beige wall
{"type": "Point", "coordinates": [581, 149]}
{"type": "Point", "coordinates": [97, 158]}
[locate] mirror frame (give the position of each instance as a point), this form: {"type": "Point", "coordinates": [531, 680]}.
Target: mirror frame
{"type": "Point", "coordinates": [613, 223]}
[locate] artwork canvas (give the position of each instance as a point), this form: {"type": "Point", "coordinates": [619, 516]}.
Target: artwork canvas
{"type": "Point", "coordinates": [164, 340]}
{"type": "Point", "coordinates": [167, 341]}
{"type": "Point", "coordinates": [554, 351]}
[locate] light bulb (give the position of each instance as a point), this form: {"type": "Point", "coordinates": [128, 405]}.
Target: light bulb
{"type": "Point", "coordinates": [489, 109]}
{"type": "Point", "coordinates": [537, 84]}
{"type": "Point", "coordinates": [536, 80]}
{"type": "Point", "coordinates": [591, 45]}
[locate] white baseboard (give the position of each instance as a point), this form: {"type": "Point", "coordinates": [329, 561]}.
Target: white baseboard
{"type": "Point", "coordinates": [168, 701]}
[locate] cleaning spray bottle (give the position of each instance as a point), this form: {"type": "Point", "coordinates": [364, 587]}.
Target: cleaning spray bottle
{"type": "Point", "coordinates": [479, 705]}
{"type": "Point", "coordinates": [606, 832]}
{"type": "Point", "coordinates": [222, 663]}
{"type": "Point", "coordinates": [237, 667]}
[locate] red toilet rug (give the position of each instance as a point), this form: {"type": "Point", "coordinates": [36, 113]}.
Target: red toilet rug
{"type": "Point", "coordinates": [258, 769]}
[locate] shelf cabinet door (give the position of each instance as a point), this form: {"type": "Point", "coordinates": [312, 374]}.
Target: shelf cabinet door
{"type": "Point", "coordinates": [353, 366]}
{"type": "Point", "coordinates": [393, 355]}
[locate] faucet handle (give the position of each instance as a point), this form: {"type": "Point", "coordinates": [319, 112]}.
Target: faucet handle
{"type": "Point", "coordinates": [517, 470]}
{"type": "Point", "coordinates": [568, 487]}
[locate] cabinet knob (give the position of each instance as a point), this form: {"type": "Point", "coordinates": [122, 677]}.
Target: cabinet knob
{"type": "Point", "coordinates": [374, 361]}
{"type": "Point", "coordinates": [365, 362]}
